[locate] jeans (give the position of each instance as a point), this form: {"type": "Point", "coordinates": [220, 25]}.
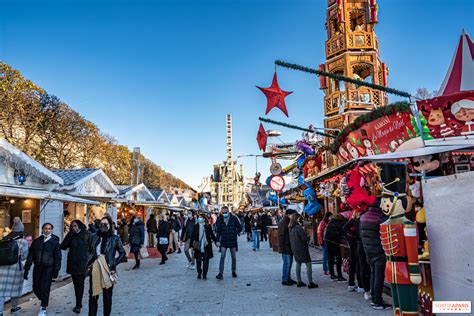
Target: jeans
{"type": "Point", "coordinates": [325, 257]}
{"type": "Point", "coordinates": [94, 300]}
{"type": "Point", "coordinates": [151, 239]}
{"type": "Point", "coordinates": [377, 276]}
{"type": "Point", "coordinates": [14, 301]}
{"type": "Point", "coordinates": [335, 257]}
{"type": "Point", "coordinates": [202, 260]}
{"type": "Point", "coordinates": [78, 281]}
{"type": "Point", "coordinates": [364, 267]}
{"type": "Point", "coordinates": [354, 267]}
{"type": "Point", "coordinates": [234, 259]}
{"type": "Point", "coordinates": [287, 263]}
{"type": "Point", "coordinates": [309, 271]}
{"type": "Point", "coordinates": [256, 241]}
{"type": "Point", "coordinates": [189, 252]}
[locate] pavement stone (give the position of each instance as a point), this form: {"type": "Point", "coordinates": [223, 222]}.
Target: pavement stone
{"type": "Point", "coordinates": [171, 289]}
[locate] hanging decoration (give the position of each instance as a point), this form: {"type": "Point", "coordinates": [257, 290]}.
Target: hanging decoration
{"type": "Point", "coordinates": [266, 120]}
{"type": "Point", "coordinates": [275, 96]}
{"type": "Point", "coordinates": [262, 138]}
{"type": "Point", "coordinates": [343, 78]}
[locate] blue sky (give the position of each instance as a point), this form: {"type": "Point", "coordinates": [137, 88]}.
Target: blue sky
{"type": "Point", "coordinates": [162, 75]}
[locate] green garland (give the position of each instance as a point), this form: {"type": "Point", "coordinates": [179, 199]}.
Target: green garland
{"type": "Point", "coordinates": [398, 107]}
{"type": "Point", "coordinates": [342, 78]}
{"type": "Point", "coordinates": [262, 119]}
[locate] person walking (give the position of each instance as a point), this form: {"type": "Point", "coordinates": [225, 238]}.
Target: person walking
{"type": "Point", "coordinates": [320, 233]}
{"type": "Point", "coordinates": [263, 226]}
{"type": "Point", "coordinates": [45, 255]}
{"type": "Point", "coordinates": [136, 239]}
{"type": "Point", "coordinates": [227, 227]}
{"type": "Point", "coordinates": [202, 238]}
{"type": "Point", "coordinates": [152, 229]}
{"type": "Point", "coordinates": [107, 249]}
{"type": "Point", "coordinates": [300, 248]}
{"type": "Point", "coordinates": [369, 231]}
{"type": "Point", "coordinates": [173, 238]}
{"type": "Point", "coordinates": [11, 275]}
{"type": "Point", "coordinates": [256, 224]}
{"type": "Point", "coordinates": [186, 235]}
{"type": "Point", "coordinates": [351, 230]}
{"type": "Point", "coordinates": [284, 246]}
{"type": "Point", "coordinates": [162, 236]}
{"type": "Point", "coordinates": [248, 226]}
{"type": "Point", "coordinates": [333, 238]}
{"type": "Point", "coordinates": [123, 231]}
{"type": "Point", "coordinates": [79, 243]}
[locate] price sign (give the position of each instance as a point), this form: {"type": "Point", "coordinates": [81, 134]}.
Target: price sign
{"type": "Point", "coordinates": [277, 183]}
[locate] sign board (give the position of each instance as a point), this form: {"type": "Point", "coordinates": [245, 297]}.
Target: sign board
{"type": "Point", "coordinates": [275, 169]}
{"type": "Point", "coordinates": [277, 183]}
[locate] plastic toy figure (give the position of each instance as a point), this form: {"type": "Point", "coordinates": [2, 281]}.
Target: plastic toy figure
{"type": "Point", "coordinates": [399, 240]}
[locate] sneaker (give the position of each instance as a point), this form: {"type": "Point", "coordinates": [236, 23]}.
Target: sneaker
{"type": "Point", "coordinates": [300, 284]}
{"type": "Point", "coordinates": [327, 273]}
{"type": "Point", "coordinates": [234, 275]}
{"type": "Point", "coordinates": [367, 296]}
{"type": "Point", "coordinates": [333, 278]}
{"type": "Point", "coordinates": [192, 266]}
{"type": "Point", "coordinates": [42, 311]}
{"type": "Point", "coordinates": [351, 288]}
{"type": "Point", "coordinates": [287, 283]}
{"type": "Point", "coordinates": [292, 281]}
{"type": "Point", "coordinates": [341, 280]}
{"type": "Point", "coordinates": [163, 262]}
{"type": "Point", "coordinates": [254, 249]}
{"type": "Point", "coordinates": [76, 310]}
{"type": "Point", "coordinates": [360, 290]}
{"type": "Point", "coordinates": [382, 306]}
{"type": "Point", "coordinates": [312, 285]}
{"type": "Point", "coordinates": [219, 276]}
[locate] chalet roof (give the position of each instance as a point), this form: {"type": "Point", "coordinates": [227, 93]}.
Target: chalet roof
{"type": "Point", "coordinates": [461, 70]}
{"type": "Point", "coordinates": [71, 176]}
{"type": "Point", "coordinates": [158, 193]}
{"type": "Point", "coordinates": [123, 188]}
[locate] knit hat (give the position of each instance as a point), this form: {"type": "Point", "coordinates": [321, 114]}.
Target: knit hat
{"type": "Point", "coordinates": [17, 225]}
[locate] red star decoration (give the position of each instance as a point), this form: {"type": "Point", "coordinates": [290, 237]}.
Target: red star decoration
{"type": "Point", "coordinates": [275, 96]}
{"type": "Point", "coordinates": [262, 138]}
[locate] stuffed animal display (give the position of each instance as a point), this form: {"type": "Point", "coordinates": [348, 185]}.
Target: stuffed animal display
{"type": "Point", "coordinates": [356, 196]}
{"type": "Point", "coordinates": [313, 206]}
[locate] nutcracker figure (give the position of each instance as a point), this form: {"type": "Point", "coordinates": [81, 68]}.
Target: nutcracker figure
{"type": "Point", "coordinates": [399, 240]}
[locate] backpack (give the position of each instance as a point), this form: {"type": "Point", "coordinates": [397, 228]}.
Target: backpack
{"type": "Point", "coordinates": [9, 252]}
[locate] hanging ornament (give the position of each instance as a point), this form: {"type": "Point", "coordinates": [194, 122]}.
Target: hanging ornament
{"type": "Point", "coordinates": [262, 138]}
{"type": "Point", "coordinates": [275, 96]}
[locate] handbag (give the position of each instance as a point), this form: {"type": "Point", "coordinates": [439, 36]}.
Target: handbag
{"type": "Point", "coordinates": [143, 253]}
{"type": "Point", "coordinates": [196, 245]}
{"type": "Point", "coordinates": [163, 241]}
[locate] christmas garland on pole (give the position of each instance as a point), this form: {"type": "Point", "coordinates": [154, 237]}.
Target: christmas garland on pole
{"type": "Point", "coordinates": [262, 119]}
{"type": "Point", "coordinates": [342, 78]}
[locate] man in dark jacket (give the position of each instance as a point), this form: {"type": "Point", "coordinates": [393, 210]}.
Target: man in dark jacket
{"type": "Point", "coordinates": [106, 243]}
{"type": "Point", "coordinates": [163, 236]}
{"type": "Point", "coordinates": [228, 228]}
{"type": "Point", "coordinates": [79, 243]}
{"type": "Point", "coordinates": [136, 239]}
{"type": "Point", "coordinates": [151, 228]}
{"type": "Point", "coordinates": [186, 234]}
{"type": "Point", "coordinates": [45, 254]}
{"type": "Point", "coordinates": [284, 246]}
{"type": "Point", "coordinates": [369, 231]}
{"type": "Point", "coordinates": [263, 226]}
{"type": "Point", "coordinates": [333, 238]}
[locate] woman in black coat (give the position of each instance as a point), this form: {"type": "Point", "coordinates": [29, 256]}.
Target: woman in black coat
{"type": "Point", "coordinates": [333, 238]}
{"type": "Point", "coordinates": [162, 237]}
{"type": "Point", "coordinates": [299, 246]}
{"type": "Point", "coordinates": [136, 239]}
{"type": "Point", "coordinates": [248, 226]}
{"type": "Point", "coordinates": [202, 239]}
{"type": "Point", "coordinates": [78, 241]}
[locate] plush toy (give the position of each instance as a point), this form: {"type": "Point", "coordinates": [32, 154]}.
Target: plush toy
{"type": "Point", "coordinates": [313, 206]}
{"type": "Point", "coordinates": [421, 219]}
{"type": "Point", "coordinates": [312, 166]}
{"type": "Point", "coordinates": [429, 164]}
{"type": "Point", "coordinates": [274, 199]}
{"type": "Point", "coordinates": [305, 148]}
{"type": "Point", "coordinates": [356, 196]}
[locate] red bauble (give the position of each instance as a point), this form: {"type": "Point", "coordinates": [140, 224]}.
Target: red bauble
{"type": "Point", "coordinates": [275, 96]}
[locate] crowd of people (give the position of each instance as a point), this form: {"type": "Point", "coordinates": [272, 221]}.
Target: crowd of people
{"type": "Point", "coordinates": [98, 249]}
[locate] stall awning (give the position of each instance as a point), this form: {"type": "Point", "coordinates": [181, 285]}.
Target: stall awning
{"type": "Point", "coordinates": [31, 193]}
{"type": "Point", "coordinates": [430, 150]}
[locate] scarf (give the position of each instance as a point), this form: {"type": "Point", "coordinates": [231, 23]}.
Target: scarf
{"type": "Point", "coordinates": [101, 276]}
{"type": "Point", "coordinates": [46, 238]}
{"type": "Point", "coordinates": [202, 238]}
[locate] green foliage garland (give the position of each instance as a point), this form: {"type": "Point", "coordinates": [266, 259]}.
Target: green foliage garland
{"type": "Point", "coordinates": [262, 119]}
{"type": "Point", "coordinates": [342, 78]}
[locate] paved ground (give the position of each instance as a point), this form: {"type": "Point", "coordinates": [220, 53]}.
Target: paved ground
{"type": "Point", "coordinates": [171, 289]}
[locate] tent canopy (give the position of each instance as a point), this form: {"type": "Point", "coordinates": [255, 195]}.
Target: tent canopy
{"type": "Point", "coordinates": [11, 191]}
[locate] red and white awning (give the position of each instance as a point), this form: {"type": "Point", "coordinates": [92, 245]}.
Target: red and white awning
{"type": "Point", "coordinates": [460, 74]}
